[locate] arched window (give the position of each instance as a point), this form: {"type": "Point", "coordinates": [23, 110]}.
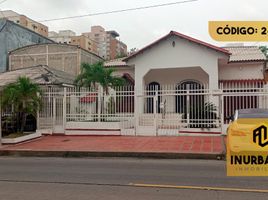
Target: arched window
{"type": "Point", "coordinates": [151, 91]}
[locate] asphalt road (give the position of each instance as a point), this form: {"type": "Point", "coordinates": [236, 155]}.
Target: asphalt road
{"type": "Point", "coordinates": [126, 179]}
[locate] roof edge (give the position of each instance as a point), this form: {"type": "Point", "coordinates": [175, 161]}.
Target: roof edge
{"type": "Point", "coordinates": [243, 61]}
{"type": "Point", "coordinates": [191, 39]}
{"type": "Point", "coordinates": [54, 43]}
{"type": "Point", "coordinates": [27, 29]}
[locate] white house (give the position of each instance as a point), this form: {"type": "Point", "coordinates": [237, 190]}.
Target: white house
{"type": "Point", "coordinates": [177, 58]}
{"type": "Point", "coordinates": [177, 62]}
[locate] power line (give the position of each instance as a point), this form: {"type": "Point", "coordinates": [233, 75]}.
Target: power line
{"type": "Point", "coordinates": [119, 11]}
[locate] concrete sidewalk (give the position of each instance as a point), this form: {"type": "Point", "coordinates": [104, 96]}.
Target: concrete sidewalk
{"type": "Point", "coordinates": [206, 147]}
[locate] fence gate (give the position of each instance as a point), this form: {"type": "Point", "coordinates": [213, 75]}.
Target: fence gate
{"type": "Point", "coordinates": [52, 110]}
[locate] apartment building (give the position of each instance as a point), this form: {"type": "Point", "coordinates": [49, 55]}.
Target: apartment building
{"type": "Point", "coordinates": [25, 22]}
{"type": "Point", "coordinates": [115, 47]}
{"type": "Point", "coordinates": [85, 43]}
{"type": "Point", "coordinates": [70, 37]}
{"type": "Point", "coordinates": [63, 36]}
{"type": "Point", "coordinates": [98, 34]}
{"type": "Point", "coordinates": [108, 45]}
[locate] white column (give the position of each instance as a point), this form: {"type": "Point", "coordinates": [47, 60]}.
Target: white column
{"type": "Point", "coordinates": [213, 78]}
{"type": "Point", "coordinates": [139, 99]}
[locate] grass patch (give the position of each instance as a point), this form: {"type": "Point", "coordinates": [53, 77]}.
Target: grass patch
{"type": "Point", "coordinates": [15, 135]}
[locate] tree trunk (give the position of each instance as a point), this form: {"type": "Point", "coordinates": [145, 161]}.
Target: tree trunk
{"type": "Point", "coordinates": [23, 121]}
{"type": "Point", "coordinates": [23, 117]}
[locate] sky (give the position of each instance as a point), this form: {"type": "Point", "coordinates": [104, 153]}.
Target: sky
{"type": "Point", "coordinates": [139, 28]}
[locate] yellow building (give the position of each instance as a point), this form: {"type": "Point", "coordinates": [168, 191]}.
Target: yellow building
{"type": "Point", "coordinates": [25, 22]}
{"type": "Point", "coordinates": [85, 43]}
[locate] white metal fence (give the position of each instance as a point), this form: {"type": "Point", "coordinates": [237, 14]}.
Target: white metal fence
{"type": "Point", "coordinates": [189, 106]}
{"type": "Point", "coordinates": [160, 109]}
{"type": "Point", "coordinates": [64, 105]}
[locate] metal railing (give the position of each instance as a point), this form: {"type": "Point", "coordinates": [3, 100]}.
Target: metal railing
{"type": "Point", "coordinates": [189, 105]}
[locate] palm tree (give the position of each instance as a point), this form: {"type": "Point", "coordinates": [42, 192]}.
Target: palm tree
{"type": "Point", "coordinates": [203, 115]}
{"type": "Point", "coordinates": [23, 96]}
{"type": "Point", "coordinates": [96, 73]}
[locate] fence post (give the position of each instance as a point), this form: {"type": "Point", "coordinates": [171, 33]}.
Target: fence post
{"type": "Point", "coordinates": [54, 112]}
{"type": "Point", "coordinates": [155, 103]}
{"type": "Point", "coordinates": [222, 112]}
{"type": "Point", "coordinates": [64, 108]}
{"type": "Point", "coordinates": [188, 103]}
{"type": "Point", "coordinates": [37, 114]}
{"type": "Point", "coordinates": [99, 102]}
{"type": "Point", "coordinates": [38, 119]}
{"type": "Point", "coordinates": [136, 110]}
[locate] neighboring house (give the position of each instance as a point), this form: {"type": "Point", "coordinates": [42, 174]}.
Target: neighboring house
{"type": "Point", "coordinates": [122, 69]}
{"type": "Point", "coordinates": [245, 63]}
{"type": "Point", "coordinates": [13, 36]}
{"type": "Point", "coordinates": [40, 74]}
{"type": "Point", "coordinates": [64, 57]}
{"type": "Point", "coordinates": [50, 80]}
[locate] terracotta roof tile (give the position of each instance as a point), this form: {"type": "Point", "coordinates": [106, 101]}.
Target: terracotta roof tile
{"type": "Point", "coordinates": [116, 63]}
{"type": "Point", "coordinates": [245, 53]}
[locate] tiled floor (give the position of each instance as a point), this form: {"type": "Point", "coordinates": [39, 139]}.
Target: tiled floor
{"type": "Point", "coordinates": [180, 144]}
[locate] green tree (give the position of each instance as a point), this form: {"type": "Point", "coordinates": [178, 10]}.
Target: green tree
{"type": "Point", "coordinates": [264, 50]}
{"type": "Point", "coordinates": [133, 50]}
{"type": "Point", "coordinates": [120, 55]}
{"type": "Point", "coordinates": [94, 74]}
{"type": "Point", "coordinates": [23, 96]}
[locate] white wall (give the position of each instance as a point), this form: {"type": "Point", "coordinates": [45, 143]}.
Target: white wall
{"type": "Point", "coordinates": [184, 54]}
{"type": "Point", "coordinates": [245, 70]}
{"type": "Point", "coordinates": [120, 71]}
{"type": "Point", "coordinates": [175, 76]}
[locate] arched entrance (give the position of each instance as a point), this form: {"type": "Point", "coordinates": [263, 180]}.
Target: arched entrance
{"type": "Point", "coordinates": [151, 91]}
{"type": "Point", "coordinates": [186, 102]}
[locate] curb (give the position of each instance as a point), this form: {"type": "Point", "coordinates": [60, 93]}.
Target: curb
{"type": "Point", "coordinates": [79, 154]}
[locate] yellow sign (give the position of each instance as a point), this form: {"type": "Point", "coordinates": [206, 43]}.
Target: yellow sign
{"type": "Point", "coordinates": [247, 148]}
{"type": "Point", "coordinates": [234, 31]}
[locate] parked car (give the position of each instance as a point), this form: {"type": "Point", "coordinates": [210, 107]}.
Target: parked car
{"type": "Point", "coordinates": [240, 130]}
